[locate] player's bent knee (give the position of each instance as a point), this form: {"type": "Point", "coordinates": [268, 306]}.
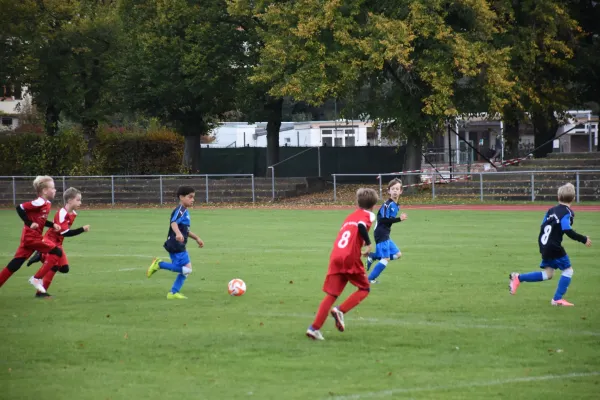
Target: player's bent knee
{"type": "Point", "coordinates": [56, 251]}
{"type": "Point", "coordinates": [568, 273]}
{"type": "Point", "coordinates": [64, 269]}
{"type": "Point", "coordinates": [366, 289]}
{"type": "Point", "coordinates": [14, 264]}
{"type": "Point", "coordinates": [186, 271]}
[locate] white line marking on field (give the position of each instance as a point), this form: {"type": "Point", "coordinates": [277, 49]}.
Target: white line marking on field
{"type": "Point", "coordinates": [403, 322]}
{"type": "Point", "coordinates": [496, 382]}
{"type": "Point", "coordinates": [127, 269]}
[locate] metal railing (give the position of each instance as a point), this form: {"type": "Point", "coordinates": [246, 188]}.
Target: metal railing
{"type": "Point", "coordinates": [272, 167]}
{"type": "Point", "coordinates": [506, 185]}
{"type": "Point", "coordinates": [141, 189]}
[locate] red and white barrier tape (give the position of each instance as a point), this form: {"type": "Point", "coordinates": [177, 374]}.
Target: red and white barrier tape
{"type": "Point", "coordinates": [403, 172]}
{"type": "Point", "coordinates": [428, 181]}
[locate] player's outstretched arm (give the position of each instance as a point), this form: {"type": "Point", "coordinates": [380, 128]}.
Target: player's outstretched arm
{"type": "Point", "coordinates": [196, 238]}
{"type": "Point", "coordinates": [75, 232]}
{"type": "Point", "coordinates": [577, 237]}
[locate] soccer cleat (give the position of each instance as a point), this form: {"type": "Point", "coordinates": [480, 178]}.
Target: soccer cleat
{"type": "Point", "coordinates": [40, 295]}
{"type": "Point", "coordinates": [153, 267]}
{"type": "Point", "coordinates": [373, 282]}
{"type": "Point", "coordinates": [38, 284]}
{"type": "Point", "coordinates": [314, 334]}
{"type": "Point", "coordinates": [513, 283]}
{"type": "Point", "coordinates": [561, 302]}
{"type": "Point", "coordinates": [175, 296]}
{"type": "Point", "coordinates": [369, 263]}
{"type": "Point", "coordinates": [37, 256]}
{"type": "Point", "coordinates": [339, 319]}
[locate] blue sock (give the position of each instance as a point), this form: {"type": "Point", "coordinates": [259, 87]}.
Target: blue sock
{"type": "Point", "coordinates": [373, 256]}
{"type": "Point", "coordinates": [563, 285]}
{"type": "Point", "coordinates": [170, 267]}
{"type": "Point", "coordinates": [178, 283]}
{"type": "Point", "coordinates": [532, 277]}
{"type": "Point", "coordinates": [377, 271]}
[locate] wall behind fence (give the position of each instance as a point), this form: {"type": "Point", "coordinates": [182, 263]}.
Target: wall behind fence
{"type": "Point", "coordinates": [334, 160]}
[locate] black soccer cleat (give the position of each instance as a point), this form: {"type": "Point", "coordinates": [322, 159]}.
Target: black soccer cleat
{"type": "Point", "coordinates": [43, 295]}
{"type": "Point", "coordinates": [36, 257]}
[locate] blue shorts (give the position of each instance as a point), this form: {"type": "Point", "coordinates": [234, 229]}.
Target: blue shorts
{"type": "Point", "coordinates": [557, 263]}
{"type": "Point", "coordinates": [180, 259]}
{"type": "Point", "coordinates": [386, 249]}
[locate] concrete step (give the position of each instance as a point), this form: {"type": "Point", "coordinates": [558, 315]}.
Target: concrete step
{"type": "Point", "coordinates": [539, 167]}
{"type": "Point", "coordinates": [517, 189]}
{"type": "Point", "coordinates": [514, 184]}
{"type": "Point", "coordinates": [512, 197]}
{"type": "Point", "coordinates": [564, 156]}
{"type": "Point", "coordinates": [559, 162]}
{"type": "Point", "coordinates": [542, 176]}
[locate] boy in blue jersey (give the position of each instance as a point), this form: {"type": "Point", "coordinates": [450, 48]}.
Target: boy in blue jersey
{"type": "Point", "coordinates": [557, 221]}
{"type": "Point", "coordinates": [386, 249]}
{"type": "Point", "coordinates": [179, 231]}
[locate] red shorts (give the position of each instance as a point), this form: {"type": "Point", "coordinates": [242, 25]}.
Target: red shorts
{"type": "Point", "coordinates": [30, 244]}
{"type": "Point", "coordinates": [335, 283]}
{"type": "Point", "coordinates": [55, 260]}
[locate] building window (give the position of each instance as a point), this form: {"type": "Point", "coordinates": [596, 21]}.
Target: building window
{"type": "Point", "coordinates": [7, 121]}
{"type": "Point", "coordinates": [338, 137]}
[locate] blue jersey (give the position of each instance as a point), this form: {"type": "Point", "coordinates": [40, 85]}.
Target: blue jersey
{"type": "Point", "coordinates": [181, 216]}
{"type": "Point", "coordinates": [386, 216]}
{"type": "Point", "coordinates": [556, 222]}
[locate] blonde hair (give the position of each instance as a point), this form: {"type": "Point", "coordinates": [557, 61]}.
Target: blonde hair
{"type": "Point", "coordinates": [70, 194]}
{"type": "Point", "coordinates": [366, 198]}
{"type": "Point", "coordinates": [393, 182]}
{"type": "Point", "coordinates": [41, 182]}
{"type": "Point", "coordinates": [566, 193]}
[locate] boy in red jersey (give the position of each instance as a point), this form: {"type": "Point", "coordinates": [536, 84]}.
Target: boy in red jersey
{"type": "Point", "coordinates": [345, 264]}
{"type": "Point", "coordinates": [35, 216]}
{"type": "Point", "coordinates": [54, 263]}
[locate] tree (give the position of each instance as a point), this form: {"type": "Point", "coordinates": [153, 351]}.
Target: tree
{"type": "Point", "coordinates": [412, 62]}
{"type": "Point", "coordinates": [253, 97]}
{"type": "Point", "coordinates": [181, 64]}
{"type": "Point", "coordinates": [543, 37]}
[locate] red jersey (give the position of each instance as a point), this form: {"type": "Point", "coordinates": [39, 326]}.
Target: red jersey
{"type": "Point", "coordinates": [37, 211]}
{"type": "Point", "coordinates": [65, 220]}
{"type": "Point", "coordinates": [345, 256]}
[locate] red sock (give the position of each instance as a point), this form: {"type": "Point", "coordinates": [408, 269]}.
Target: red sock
{"type": "Point", "coordinates": [45, 268]}
{"type": "Point", "coordinates": [353, 300]}
{"type": "Point", "coordinates": [4, 275]}
{"type": "Point", "coordinates": [324, 308]}
{"type": "Point", "coordinates": [48, 279]}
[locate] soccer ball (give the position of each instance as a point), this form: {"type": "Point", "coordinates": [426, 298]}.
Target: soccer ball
{"type": "Point", "coordinates": [236, 287]}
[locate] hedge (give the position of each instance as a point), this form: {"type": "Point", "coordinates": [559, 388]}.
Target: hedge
{"type": "Point", "coordinates": [115, 153]}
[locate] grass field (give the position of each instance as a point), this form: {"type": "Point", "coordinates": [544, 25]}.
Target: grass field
{"type": "Point", "coordinates": [440, 325]}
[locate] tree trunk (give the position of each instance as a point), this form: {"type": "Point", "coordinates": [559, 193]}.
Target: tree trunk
{"type": "Point", "coordinates": [545, 125]}
{"type": "Point", "coordinates": [52, 118]}
{"type": "Point", "coordinates": [90, 128]}
{"type": "Point", "coordinates": [191, 153]}
{"type": "Point", "coordinates": [275, 108]}
{"type": "Point", "coordinates": [511, 138]}
{"type": "Point", "coordinates": [413, 157]}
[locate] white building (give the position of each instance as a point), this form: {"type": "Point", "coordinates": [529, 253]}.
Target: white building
{"type": "Point", "coordinates": [302, 134]}
{"type": "Point", "coordinates": [481, 131]}
{"type": "Point", "coordinates": [11, 107]}
{"type": "Point", "coordinates": [582, 136]}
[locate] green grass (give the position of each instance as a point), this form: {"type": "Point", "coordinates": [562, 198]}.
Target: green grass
{"type": "Point", "coordinates": [441, 324]}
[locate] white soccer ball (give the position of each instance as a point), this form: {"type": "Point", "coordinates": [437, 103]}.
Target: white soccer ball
{"type": "Point", "coordinates": [236, 287]}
